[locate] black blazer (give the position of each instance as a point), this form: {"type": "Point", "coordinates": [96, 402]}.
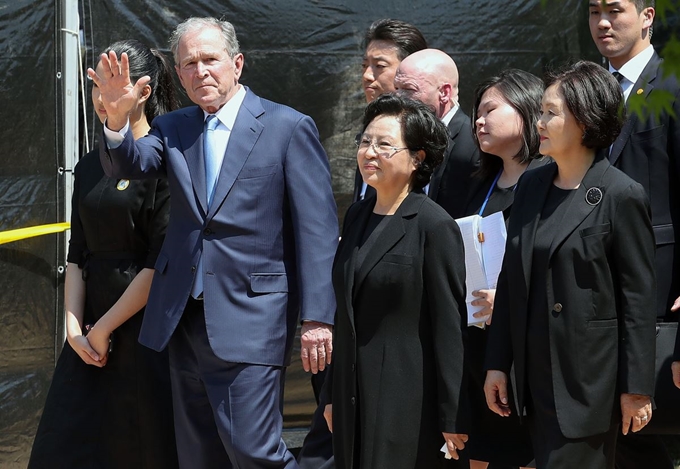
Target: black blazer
{"type": "Point", "coordinates": [398, 351]}
{"type": "Point", "coordinates": [600, 289]}
{"type": "Point", "coordinates": [648, 150]}
{"type": "Point", "coordinates": [451, 180]}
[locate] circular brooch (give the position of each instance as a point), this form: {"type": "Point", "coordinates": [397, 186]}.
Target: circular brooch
{"type": "Point", "coordinates": [593, 196]}
{"type": "Point", "coordinates": [123, 184]}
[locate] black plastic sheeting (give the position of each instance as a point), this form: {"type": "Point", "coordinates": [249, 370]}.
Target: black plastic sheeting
{"type": "Point", "coordinates": [304, 53]}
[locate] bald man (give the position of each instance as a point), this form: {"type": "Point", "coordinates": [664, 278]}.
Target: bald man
{"type": "Point", "coordinates": [431, 76]}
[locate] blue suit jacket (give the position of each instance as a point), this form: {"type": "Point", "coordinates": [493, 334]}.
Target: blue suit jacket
{"type": "Point", "coordinates": [267, 240]}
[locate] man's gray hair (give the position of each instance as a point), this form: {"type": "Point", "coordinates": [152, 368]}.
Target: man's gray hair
{"type": "Point", "coordinates": [226, 30]}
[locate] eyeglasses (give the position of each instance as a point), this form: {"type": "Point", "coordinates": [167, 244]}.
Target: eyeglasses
{"type": "Point", "coordinates": [383, 150]}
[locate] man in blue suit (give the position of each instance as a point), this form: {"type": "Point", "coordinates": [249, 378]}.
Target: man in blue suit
{"type": "Point", "coordinates": [248, 250]}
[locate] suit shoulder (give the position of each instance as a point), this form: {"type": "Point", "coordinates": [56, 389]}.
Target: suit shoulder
{"type": "Point", "coordinates": [355, 208]}
{"type": "Point", "coordinates": [540, 171]}
{"type": "Point", "coordinates": [619, 182]}
{"type": "Point", "coordinates": [178, 113]}
{"type": "Point", "coordinates": [432, 215]}
{"type": "Point", "coordinates": [667, 83]}
{"type": "Point", "coordinates": [281, 111]}
{"type": "Point", "coordinates": [176, 118]}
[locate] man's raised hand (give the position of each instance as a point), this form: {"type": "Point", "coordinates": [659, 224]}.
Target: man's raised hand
{"type": "Point", "coordinates": [118, 95]}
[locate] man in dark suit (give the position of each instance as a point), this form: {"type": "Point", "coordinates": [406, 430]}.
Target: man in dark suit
{"type": "Point", "coordinates": [648, 150]}
{"type": "Point", "coordinates": [431, 76]}
{"type": "Point", "coordinates": [248, 249]}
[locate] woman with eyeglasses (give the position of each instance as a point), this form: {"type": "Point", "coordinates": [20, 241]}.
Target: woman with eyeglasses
{"type": "Point", "coordinates": [399, 278]}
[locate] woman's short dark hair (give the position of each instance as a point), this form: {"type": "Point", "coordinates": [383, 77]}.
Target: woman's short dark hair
{"type": "Point", "coordinates": [405, 36]}
{"type": "Point", "coordinates": [144, 61]}
{"type": "Point", "coordinates": [420, 129]}
{"type": "Point", "coordinates": [595, 99]}
{"type": "Point", "coordinates": [523, 92]}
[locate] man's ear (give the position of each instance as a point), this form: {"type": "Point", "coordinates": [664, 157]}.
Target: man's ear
{"type": "Point", "coordinates": [239, 60]}
{"type": "Point", "coordinates": [648, 13]}
{"type": "Point", "coordinates": [445, 93]}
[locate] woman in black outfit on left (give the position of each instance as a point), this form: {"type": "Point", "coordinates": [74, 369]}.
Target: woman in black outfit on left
{"type": "Point", "coordinates": [112, 409]}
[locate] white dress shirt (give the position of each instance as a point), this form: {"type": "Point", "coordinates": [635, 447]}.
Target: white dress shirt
{"type": "Point", "coordinates": [632, 70]}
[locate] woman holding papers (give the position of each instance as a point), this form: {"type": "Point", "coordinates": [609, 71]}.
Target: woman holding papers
{"type": "Point", "coordinates": [506, 109]}
{"type": "Point", "coordinates": [399, 279]}
{"type": "Point", "coordinates": [575, 294]}
{"type": "Point", "coordinates": [109, 405]}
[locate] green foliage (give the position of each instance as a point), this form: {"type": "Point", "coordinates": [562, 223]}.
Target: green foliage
{"type": "Point", "coordinates": [651, 105]}
{"type": "Point", "coordinates": [671, 55]}
{"type": "Point", "coordinates": [664, 7]}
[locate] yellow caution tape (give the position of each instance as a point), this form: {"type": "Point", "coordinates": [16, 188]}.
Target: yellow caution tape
{"type": "Point", "coordinates": [31, 231]}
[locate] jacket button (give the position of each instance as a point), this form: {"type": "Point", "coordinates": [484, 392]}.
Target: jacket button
{"type": "Point", "coordinates": [352, 335]}
{"type": "Point", "coordinates": [207, 232]}
{"type": "Point", "coordinates": [193, 269]}
{"type": "Point", "coordinates": [354, 367]}
{"type": "Point", "coordinates": [558, 307]}
{"type": "Point", "coordinates": [353, 401]}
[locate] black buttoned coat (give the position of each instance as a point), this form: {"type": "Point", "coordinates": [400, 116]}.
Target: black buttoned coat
{"type": "Point", "coordinates": [397, 366]}
{"type": "Point", "coordinates": [600, 287]}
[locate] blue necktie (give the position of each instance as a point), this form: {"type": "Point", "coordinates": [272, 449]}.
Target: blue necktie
{"type": "Point", "coordinates": [211, 168]}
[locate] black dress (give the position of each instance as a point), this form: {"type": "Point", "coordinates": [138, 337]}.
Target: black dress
{"type": "Point", "coordinates": [118, 416]}
{"type": "Point", "coordinates": [501, 441]}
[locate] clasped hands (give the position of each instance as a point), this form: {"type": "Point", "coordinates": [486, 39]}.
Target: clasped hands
{"type": "Point", "coordinates": [636, 409]}
{"type": "Point", "coordinates": [93, 349]}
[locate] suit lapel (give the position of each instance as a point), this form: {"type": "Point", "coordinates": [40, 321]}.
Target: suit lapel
{"type": "Point", "coordinates": [453, 128]}
{"type": "Point", "coordinates": [390, 235]}
{"type": "Point", "coordinates": [348, 251]}
{"type": "Point", "coordinates": [191, 138]}
{"type": "Point", "coordinates": [531, 214]}
{"type": "Point", "coordinates": [578, 208]}
{"type": "Point", "coordinates": [646, 84]}
{"type": "Point", "coordinates": [244, 135]}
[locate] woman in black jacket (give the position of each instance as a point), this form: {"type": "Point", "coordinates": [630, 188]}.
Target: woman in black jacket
{"type": "Point", "coordinates": [399, 279]}
{"type": "Point", "coordinates": [574, 309]}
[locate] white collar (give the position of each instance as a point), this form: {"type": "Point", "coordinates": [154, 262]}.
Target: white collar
{"type": "Point", "coordinates": [446, 118]}
{"type": "Point", "coordinates": [632, 69]}
{"type": "Point", "coordinates": [227, 113]}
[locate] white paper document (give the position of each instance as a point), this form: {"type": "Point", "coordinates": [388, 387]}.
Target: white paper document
{"type": "Point", "coordinates": [484, 240]}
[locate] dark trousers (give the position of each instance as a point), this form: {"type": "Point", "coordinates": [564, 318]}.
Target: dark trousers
{"type": "Point", "coordinates": [635, 451]}
{"type": "Point", "coordinates": [317, 449]}
{"type": "Point", "coordinates": [553, 450]}
{"type": "Point", "coordinates": [226, 414]}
